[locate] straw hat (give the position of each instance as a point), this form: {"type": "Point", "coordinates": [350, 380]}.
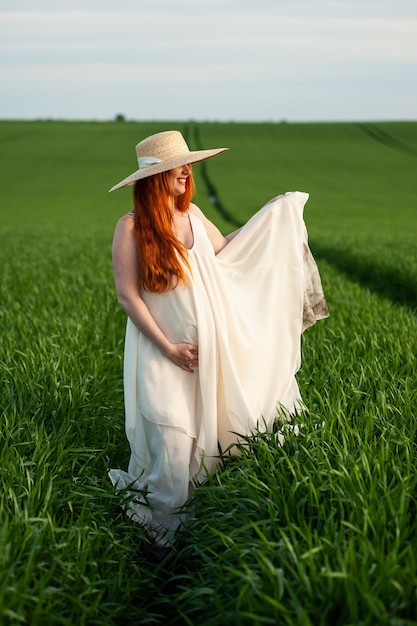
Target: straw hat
{"type": "Point", "coordinates": [162, 152]}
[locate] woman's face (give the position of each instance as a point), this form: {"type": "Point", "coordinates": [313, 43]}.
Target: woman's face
{"type": "Point", "coordinates": [178, 179]}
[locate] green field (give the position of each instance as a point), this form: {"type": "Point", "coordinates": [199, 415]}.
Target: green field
{"type": "Point", "coordinates": [319, 532]}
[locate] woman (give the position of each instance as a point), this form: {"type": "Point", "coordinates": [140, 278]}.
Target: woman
{"type": "Point", "coordinates": [213, 332]}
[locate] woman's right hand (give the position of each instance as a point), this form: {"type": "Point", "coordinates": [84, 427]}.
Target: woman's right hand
{"type": "Point", "coordinates": [184, 355]}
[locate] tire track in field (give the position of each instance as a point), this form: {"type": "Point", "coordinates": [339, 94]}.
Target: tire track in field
{"type": "Point", "coordinates": [390, 282]}
{"type": "Point", "coordinates": [389, 141]}
{"type": "Point", "coordinates": [192, 134]}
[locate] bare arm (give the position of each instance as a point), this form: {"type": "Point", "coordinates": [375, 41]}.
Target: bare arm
{"type": "Point", "coordinates": [232, 235]}
{"type": "Point", "coordinates": [218, 240]}
{"type": "Point", "coordinates": [125, 264]}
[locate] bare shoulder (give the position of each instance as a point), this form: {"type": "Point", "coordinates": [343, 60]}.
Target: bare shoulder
{"type": "Point", "coordinates": [217, 240]}
{"type": "Point", "coordinates": [125, 223]}
{"type": "Point", "coordinates": [124, 232]}
{"type": "Point", "coordinates": [195, 210]}
{"type": "Point", "coordinates": [127, 220]}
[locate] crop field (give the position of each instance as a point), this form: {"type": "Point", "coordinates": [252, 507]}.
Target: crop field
{"type": "Point", "coordinates": [320, 531]}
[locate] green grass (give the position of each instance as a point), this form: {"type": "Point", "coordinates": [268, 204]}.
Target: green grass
{"type": "Point", "coordinates": [320, 531]}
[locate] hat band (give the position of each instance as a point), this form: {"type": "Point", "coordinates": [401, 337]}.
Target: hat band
{"type": "Point", "coordinates": [146, 161]}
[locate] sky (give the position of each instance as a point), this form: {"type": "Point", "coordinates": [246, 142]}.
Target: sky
{"type": "Point", "coordinates": [204, 60]}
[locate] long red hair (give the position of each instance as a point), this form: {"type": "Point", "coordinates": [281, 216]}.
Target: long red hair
{"type": "Point", "coordinates": [162, 257]}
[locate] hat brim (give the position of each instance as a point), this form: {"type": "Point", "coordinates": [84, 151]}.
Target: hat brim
{"type": "Point", "coordinates": [169, 164]}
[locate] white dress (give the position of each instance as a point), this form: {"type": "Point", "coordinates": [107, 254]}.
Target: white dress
{"type": "Point", "coordinates": [245, 309]}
